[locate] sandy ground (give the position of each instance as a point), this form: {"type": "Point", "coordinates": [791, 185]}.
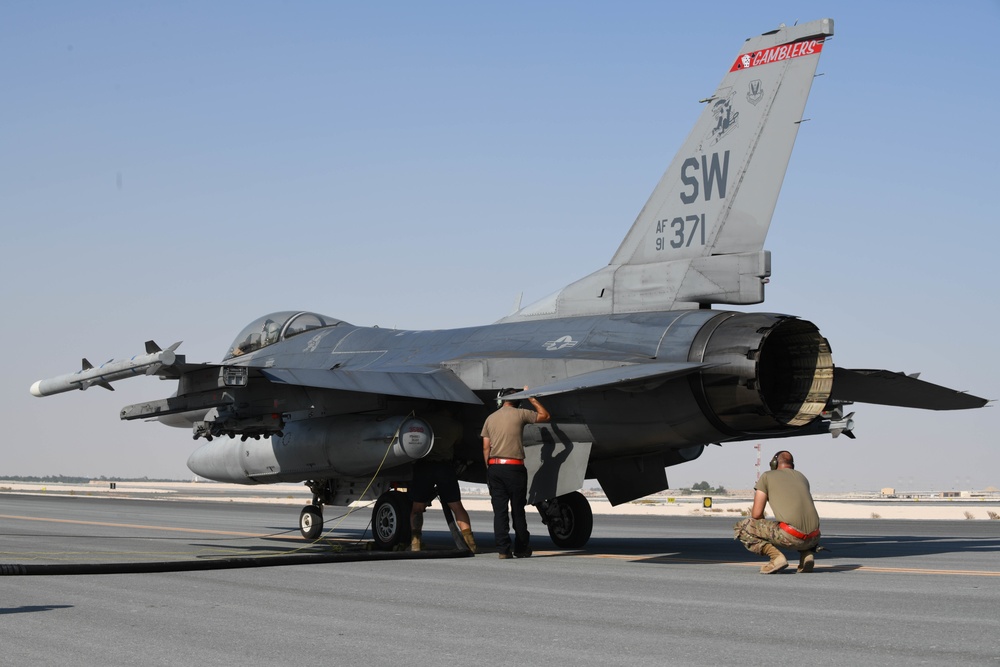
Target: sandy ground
{"type": "Point", "coordinates": [725, 507]}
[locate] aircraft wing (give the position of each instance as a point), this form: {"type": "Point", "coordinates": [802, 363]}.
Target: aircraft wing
{"type": "Point", "coordinates": [433, 383]}
{"type": "Point", "coordinates": [610, 377]}
{"type": "Point", "coordinates": [905, 391]}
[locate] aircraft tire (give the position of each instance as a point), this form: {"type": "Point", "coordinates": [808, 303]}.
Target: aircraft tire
{"type": "Point", "coordinates": [576, 521]}
{"type": "Point", "coordinates": [391, 520]}
{"type": "Point", "coordinates": [311, 522]}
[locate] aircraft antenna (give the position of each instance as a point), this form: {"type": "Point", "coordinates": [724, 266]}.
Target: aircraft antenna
{"type": "Point", "coordinates": [517, 302]}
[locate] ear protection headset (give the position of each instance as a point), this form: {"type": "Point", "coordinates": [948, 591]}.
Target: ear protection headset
{"type": "Point", "coordinates": [774, 460]}
{"type": "Point", "coordinates": [502, 393]}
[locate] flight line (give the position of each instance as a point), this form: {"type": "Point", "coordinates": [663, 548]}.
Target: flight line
{"type": "Point", "coordinates": [351, 545]}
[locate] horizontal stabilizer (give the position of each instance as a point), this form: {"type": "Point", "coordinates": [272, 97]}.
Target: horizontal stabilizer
{"type": "Point", "coordinates": [610, 377]}
{"type": "Point", "coordinates": [888, 388]}
{"type": "Point", "coordinates": [437, 384]}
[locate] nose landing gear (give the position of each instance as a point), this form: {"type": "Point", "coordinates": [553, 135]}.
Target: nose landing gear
{"type": "Point", "coordinates": [311, 521]}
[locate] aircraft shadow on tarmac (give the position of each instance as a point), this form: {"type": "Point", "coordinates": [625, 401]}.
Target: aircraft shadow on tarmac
{"type": "Point", "coordinates": [858, 551]}
{"type": "Point", "coordinates": [27, 609]}
{"type": "Point", "coordinates": [303, 548]}
{"type": "Point", "coordinates": [285, 543]}
{"type": "Point", "coordinates": [727, 550]}
{"type": "Point", "coordinates": [836, 548]}
{"type": "Point", "coordinates": [897, 546]}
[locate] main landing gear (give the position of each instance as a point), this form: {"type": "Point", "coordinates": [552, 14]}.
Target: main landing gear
{"type": "Point", "coordinates": [569, 519]}
{"type": "Point", "coordinates": [390, 517]}
{"type": "Point", "coordinates": [391, 520]}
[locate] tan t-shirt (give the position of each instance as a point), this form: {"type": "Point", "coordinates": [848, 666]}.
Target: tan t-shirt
{"type": "Point", "coordinates": [789, 497]}
{"type": "Point", "coordinates": [504, 428]}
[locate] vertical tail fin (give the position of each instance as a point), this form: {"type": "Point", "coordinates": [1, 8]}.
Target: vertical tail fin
{"type": "Point", "coordinates": [699, 239]}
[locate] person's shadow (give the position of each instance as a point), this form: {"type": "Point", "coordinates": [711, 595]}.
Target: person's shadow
{"type": "Point", "coordinates": [547, 476]}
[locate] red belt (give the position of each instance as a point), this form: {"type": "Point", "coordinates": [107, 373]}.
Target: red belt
{"type": "Point", "coordinates": [795, 532]}
{"type": "Point", "coordinates": [513, 462]}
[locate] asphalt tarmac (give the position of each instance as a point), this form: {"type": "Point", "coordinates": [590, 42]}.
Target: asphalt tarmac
{"type": "Point", "coordinates": [645, 591]}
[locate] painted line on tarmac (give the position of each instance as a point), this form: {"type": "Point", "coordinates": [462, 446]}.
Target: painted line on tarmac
{"type": "Point", "coordinates": [883, 570]}
{"type": "Point", "coordinates": [907, 570]}
{"type": "Point", "coordinates": [199, 531]}
{"type": "Point", "coordinates": [106, 524]}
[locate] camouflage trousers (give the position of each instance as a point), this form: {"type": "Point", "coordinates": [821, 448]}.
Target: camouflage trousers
{"type": "Point", "coordinates": [755, 533]}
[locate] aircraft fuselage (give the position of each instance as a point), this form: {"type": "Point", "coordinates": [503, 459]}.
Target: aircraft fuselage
{"type": "Point", "coordinates": [643, 384]}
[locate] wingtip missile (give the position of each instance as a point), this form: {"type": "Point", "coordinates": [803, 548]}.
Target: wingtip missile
{"type": "Point", "coordinates": [111, 371]}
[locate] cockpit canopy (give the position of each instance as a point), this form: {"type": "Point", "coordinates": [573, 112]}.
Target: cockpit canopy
{"type": "Point", "coordinates": [272, 328]}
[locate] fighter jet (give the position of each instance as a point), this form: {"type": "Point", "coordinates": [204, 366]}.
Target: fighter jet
{"type": "Point", "coordinates": [637, 363]}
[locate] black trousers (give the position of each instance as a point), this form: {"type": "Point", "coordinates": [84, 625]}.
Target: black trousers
{"type": "Point", "coordinates": [509, 486]}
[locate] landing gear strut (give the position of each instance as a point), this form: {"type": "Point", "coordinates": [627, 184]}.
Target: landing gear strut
{"type": "Point", "coordinates": [311, 516]}
{"type": "Point", "coordinates": [569, 519]}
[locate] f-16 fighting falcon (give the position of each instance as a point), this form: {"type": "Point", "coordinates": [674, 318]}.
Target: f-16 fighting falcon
{"type": "Point", "coordinates": [639, 363]}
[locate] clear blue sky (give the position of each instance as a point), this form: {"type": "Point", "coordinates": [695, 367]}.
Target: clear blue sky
{"type": "Point", "coordinates": [174, 170]}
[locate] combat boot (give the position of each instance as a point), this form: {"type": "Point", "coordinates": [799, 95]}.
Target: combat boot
{"type": "Point", "coordinates": [470, 540]}
{"type": "Point", "coordinates": [777, 563]}
{"type": "Point", "coordinates": [807, 560]}
{"type": "Point", "coordinates": [415, 542]}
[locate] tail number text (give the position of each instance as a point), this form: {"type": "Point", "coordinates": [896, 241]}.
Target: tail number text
{"type": "Point", "coordinates": [680, 232]}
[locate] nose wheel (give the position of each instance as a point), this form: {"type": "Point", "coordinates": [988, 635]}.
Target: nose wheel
{"type": "Point", "coordinates": [311, 522]}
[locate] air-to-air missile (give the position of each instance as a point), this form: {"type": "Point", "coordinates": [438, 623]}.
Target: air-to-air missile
{"type": "Point", "coordinates": [106, 373]}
